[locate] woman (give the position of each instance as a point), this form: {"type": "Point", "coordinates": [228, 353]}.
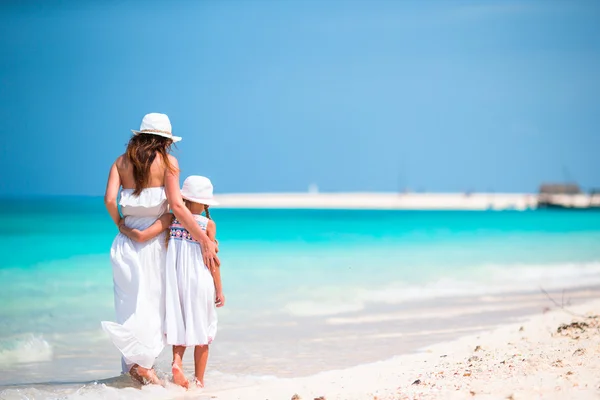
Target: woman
{"type": "Point", "coordinates": [149, 178]}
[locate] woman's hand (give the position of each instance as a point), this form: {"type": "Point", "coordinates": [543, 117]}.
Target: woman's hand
{"type": "Point", "coordinates": [219, 299]}
{"type": "Point", "coordinates": [209, 253]}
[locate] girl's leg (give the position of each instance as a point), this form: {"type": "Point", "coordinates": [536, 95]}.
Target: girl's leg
{"type": "Point", "coordinates": [200, 359]}
{"type": "Point", "coordinates": [177, 368]}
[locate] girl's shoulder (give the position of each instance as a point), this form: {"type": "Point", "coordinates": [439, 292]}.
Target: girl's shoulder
{"type": "Point", "coordinates": [201, 220]}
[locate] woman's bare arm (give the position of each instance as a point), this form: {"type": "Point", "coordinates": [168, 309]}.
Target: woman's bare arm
{"type": "Point", "coordinates": [185, 216]}
{"type": "Point", "coordinates": [159, 226]}
{"type": "Point", "coordinates": [211, 231]}
{"type": "Point", "coordinates": [110, 195]}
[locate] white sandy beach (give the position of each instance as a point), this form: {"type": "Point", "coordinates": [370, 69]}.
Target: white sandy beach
{"type": "Point", "coordinates": [398, 201]}
{"type": "Point", "coordinates": [524, 360]}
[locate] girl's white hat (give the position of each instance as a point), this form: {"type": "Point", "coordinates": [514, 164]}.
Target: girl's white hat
{"type": "Point", "coordinates": [198, 189]}
{"type": "Point", "coordinates": [156, 124]}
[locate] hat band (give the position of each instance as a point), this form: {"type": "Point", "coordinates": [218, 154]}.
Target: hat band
{"type": "Point", "coordinates": [155, 131]}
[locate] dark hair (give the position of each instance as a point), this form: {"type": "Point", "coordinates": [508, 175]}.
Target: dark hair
{"type": "Point", "coordinates": [168, 231]}
{"type": "Point", "coordinates": [141, 152]}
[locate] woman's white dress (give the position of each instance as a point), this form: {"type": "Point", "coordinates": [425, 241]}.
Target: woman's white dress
{"type": "Point", "coordinates": [191, 314]}
{"type": "Point", "coordinates": [138, 274]}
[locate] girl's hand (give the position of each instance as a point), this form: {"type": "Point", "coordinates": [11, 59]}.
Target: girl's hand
{"type": "Point", "coordinates": [132, 234]}
{"type": "Point", "coordinates": [220, 299]}
{"type": "Point", "coordinates": [121, 225]}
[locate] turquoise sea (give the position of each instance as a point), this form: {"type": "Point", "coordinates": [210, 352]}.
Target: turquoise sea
{"type": "Point", "coordinates": [301, 286]}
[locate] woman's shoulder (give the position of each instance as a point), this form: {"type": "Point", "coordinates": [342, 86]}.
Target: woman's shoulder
{"type": "Point", "coordinates": [123, 166]}
{"type": "Point", "coordinates": [171, 158]}
{"type": "Point", "coordinates": [121, 160]}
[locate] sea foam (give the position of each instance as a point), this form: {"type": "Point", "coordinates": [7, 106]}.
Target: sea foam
{"type": "Point", "coordinates": [481, 281]}
{"type": "Point", "coordinates": [26, 348]}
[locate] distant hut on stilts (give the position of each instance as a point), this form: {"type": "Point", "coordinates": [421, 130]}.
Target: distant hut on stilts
{"type": "Point", "coordinates": [558, 195]}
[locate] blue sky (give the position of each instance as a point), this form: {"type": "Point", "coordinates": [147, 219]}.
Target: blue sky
{"type": "Point", "coordinates": [275, 95]}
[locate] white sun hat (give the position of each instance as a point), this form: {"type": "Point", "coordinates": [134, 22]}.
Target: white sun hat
{"type": "Point", "coordinates": [156, 124]}
{"type": "Point", "coordinates": [198, 189]}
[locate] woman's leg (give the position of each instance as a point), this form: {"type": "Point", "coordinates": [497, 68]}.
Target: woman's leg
{"type": "Point", "coordinates": [177, 368]}
{"type": "Point", "coordinates": [200, 360]}
{"type": "Point", "coordinates": [144, 375]}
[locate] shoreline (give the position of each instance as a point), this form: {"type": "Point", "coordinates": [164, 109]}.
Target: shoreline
{"type": "Point", "coordinates": [438, 355]}
{"type": "Point", "coordinates": [518, 360]}
{"type": "Point", "coordinates": [398, 201]}
{"type": "Point", "coordinates": [307, 345]}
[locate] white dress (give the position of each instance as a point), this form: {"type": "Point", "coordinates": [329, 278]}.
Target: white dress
{"type": "Point", "coordinates": [191, 314]}
{"type": "Point", "coordinates": [138, 274]}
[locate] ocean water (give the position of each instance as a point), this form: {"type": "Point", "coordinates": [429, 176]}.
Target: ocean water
{"type": "Point", "coordinates": [301, 287]}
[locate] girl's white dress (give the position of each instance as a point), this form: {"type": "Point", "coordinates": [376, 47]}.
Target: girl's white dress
{"type": "Point", "coordinates": [138, 274]}
{"type": "Point", "coordinates": [191, 314]}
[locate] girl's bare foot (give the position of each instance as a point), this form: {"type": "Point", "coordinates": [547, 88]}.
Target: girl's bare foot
{"type": "Point", "coordinates": [179, 377]}
{"type": "Point", "coordinates": [144, 375]}
{"type": "Point", "coordinates": [198, 383]}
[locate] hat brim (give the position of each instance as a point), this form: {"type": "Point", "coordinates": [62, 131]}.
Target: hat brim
{"type": "Point", "coordinates": [208, 202]}
{"type": "Point", "coordinates": [173, 138]}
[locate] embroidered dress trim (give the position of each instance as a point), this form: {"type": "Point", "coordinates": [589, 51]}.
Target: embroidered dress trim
{"type": "Point", "coordinates": [177, 231]}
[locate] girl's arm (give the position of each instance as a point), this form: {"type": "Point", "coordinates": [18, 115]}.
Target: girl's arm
{"type": "Point", "coordinates": [159, 226]}
{"type": "Point", "coordinates": [211, 232]}
{"type": "Point", "coordinates": [110, 195]}
{"type": "Point", "coordinates": [186, 218]}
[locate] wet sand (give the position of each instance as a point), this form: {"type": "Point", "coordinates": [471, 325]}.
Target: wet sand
{"type": "Point", "coordinates": [553, 355]}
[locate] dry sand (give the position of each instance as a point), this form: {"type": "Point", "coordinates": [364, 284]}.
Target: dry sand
{"type": "Point", "coordinates": [527, 360]}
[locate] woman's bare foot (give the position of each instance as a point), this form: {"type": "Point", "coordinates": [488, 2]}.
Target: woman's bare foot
{"type": "Point", "coordinates": [198, 383]}
{"type": "Point", "coordinates": [144, 375]}
{"type": "Point", "coordinates": [179, 377]}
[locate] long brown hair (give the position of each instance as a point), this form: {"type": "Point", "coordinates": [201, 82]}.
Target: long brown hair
{"type": "Point", "coordinates": [141, 152]}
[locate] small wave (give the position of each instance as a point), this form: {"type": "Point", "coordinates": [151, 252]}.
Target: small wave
{"type": "Point", "coordinates": [123, 388]}
{"type": "Point", "coordinates": [27, 348]}
{"type": "Point", "coordinates": [316, 308]}
{"type": "Point", "coordinates": [481, 281]}
{"type": "Point", "coordinates": [91, 391]}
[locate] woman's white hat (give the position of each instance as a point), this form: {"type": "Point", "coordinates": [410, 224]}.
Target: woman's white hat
{"type": "Point", "coordinates": [198, 189]}
{"type": "Point", "coordinates": [156, 124]}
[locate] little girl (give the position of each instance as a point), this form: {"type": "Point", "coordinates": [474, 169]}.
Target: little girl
{"type": "Point", "coordinates": [192, 292]}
